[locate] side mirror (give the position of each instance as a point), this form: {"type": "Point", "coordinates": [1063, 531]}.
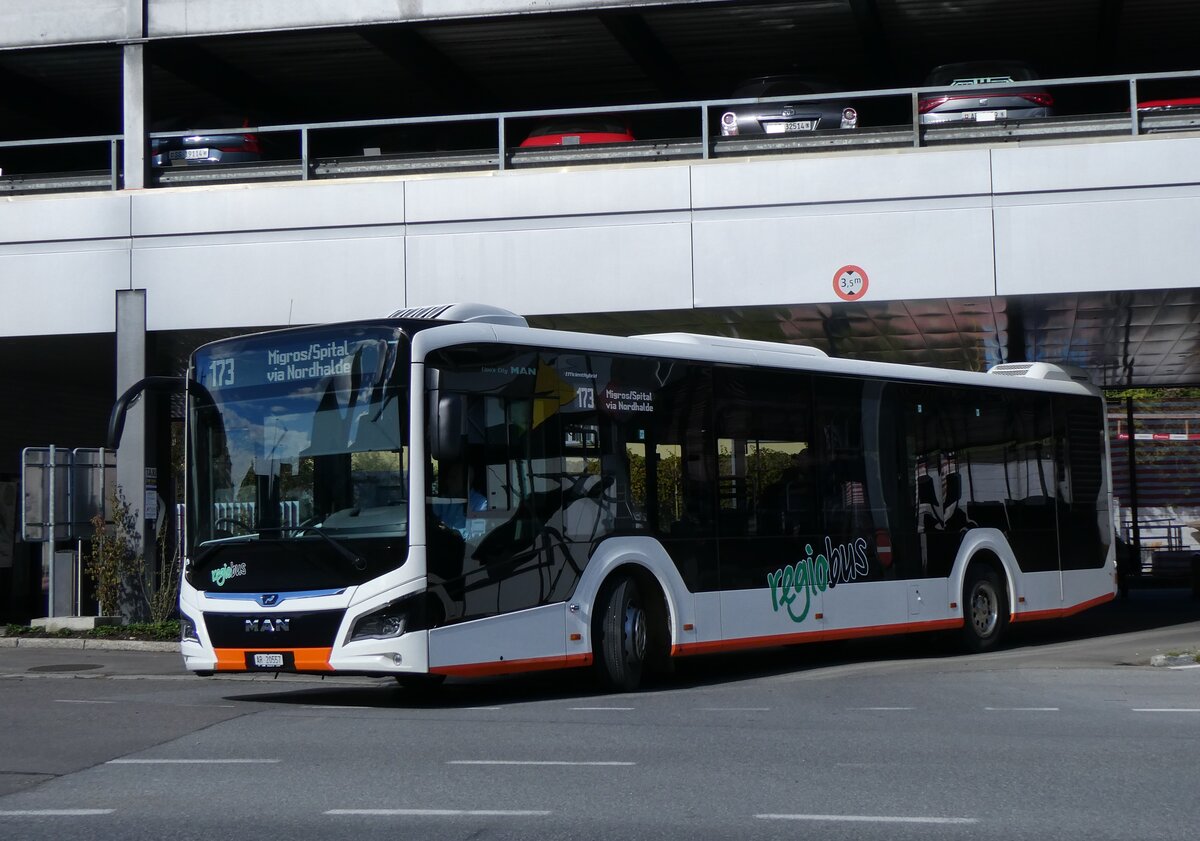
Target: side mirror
{"type": "Point", "coordinates": [448, 432]}
{"type": "Point", "coordinates": [116, 420]}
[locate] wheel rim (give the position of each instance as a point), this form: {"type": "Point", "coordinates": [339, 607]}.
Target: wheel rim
{"type": "Point", "coordinates": [635, 632]}
{"type": "Point", "coordinates": [985, 608]}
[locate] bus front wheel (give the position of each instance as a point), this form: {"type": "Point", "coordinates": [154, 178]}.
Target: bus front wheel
{"type": "Point", "coordinates": [985, 608]}
{"type": "Point", "coordinates": [624, 637]}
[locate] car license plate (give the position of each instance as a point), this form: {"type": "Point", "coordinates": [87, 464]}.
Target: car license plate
{"type": "Point", "coordinates": [793, 125]}
{"type": "Point", "coordinates": [188, 154]}
{"type": "Point", "coordinates": [985, 116]}
{"type": "Point", "coordinates": [268, 661]}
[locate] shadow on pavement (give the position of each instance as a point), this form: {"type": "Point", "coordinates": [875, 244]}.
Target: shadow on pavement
{"type": "Point", "coordinates": [1142, 610]}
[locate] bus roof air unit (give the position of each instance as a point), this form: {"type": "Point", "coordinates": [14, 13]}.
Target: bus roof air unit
{"type": "Point", "coordinates": [464, 312]}
{"type": "Point", "coordinates": [726, 342]}
{"type": "Point", "coordinates": [1041, 371]}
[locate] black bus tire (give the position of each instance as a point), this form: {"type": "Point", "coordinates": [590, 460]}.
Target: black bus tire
{"type": "Point", "coordinates": [985, 608]}
{"type": "Point", "coordinates": [624, 637]}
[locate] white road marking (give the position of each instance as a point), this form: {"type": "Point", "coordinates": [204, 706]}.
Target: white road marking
{"type": "Point", "coordinates": [532, 762]}
{"type": "Point", "coordinates": [1177, 668]}
{"type": "Point", "coordinates": [192, 762]}
{"type": "Point", "coordinates": [866, 819]}
{"type": "Point", "coordinates": [439, 813]}
{"type": "Point", "coordinates": [735, 709]}
{"type": "Point", "coordinates": [1166, 710]}
{"type": "Point", "coordinates": [485, 708]}
{"type": "Point", "coordinates": [53, 813]}
{"type": "Point", "coordinates": [72, 701]}
{"type": "Point", "coordinates": [1022, 709]}
{"type": "Point", "coordinates": [882, 709]}
{"type": "Point", "coordinates": [602, 709]}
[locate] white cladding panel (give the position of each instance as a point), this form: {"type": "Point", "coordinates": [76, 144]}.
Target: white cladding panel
{"type": "Point", "coordinates": [1098, 244]}
{"type": "Point", "coordinates": [750, 257]}
{"type": "Point", "coordinates": [194, 17]}
{"type": "Point", "coordinates": [63, 218]}
{"type": "Point", "coordinates": [836, 179]}
{"type": "Point", "coordinates": [629, 238]}
{"type": "Point", "coordinates": [596, 267]}
{"type": "Point", "coordinates": [59, 290]}
{"type": "Point", "coordinates": [305, 277]}
{"type": "Point", "coordinates": [1144, 162]}
{"type": "Point", "coordinates": [250, 207]}
{"type": "Point", "coordinates": [524, 195]}
{"type": "Point", "coordinates": [25, 23]}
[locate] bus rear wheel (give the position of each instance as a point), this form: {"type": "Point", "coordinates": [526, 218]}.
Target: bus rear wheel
{"type": "Point", "coordinates": [624, 638]}
{"type": "Point", "coordinates": [985, 608]}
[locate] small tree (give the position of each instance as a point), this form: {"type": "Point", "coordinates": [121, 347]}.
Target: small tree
{"type": "Point", "coordinates": [116, 554]}
{"type": "Point", "coordinates": [164, 592]}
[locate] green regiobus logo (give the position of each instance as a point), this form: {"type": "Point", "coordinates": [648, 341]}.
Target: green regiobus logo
{"type": "Point", "coordinates": [793, 586]}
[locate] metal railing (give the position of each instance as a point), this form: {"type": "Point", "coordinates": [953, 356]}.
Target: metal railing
{"type": "Point", "coordinates": [702, 145]}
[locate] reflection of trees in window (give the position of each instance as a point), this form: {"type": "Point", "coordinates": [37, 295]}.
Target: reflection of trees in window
{"type": "Point", "coordinates": [668, 466]}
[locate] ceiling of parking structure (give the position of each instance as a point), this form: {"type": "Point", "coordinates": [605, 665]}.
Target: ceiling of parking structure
{"type": "Point", "coordinates": [685, 50]}
{"type": "Point", "coordinates": [1145, 338]}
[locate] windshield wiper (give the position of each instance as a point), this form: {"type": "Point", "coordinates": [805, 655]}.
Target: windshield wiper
{"type": "Point", "coordinates": [355, 560]}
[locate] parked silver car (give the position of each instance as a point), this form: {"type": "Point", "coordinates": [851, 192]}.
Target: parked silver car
{"type": "Point", "coordinates": [982, 92]}
{"type": "Point", "coordinates": [786, 117]}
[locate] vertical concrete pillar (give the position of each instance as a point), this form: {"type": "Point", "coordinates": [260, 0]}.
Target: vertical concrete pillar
{"type": "Point", "coordinates": [133, 88]}
{"type": "Point", "coordinates": [131, 454]}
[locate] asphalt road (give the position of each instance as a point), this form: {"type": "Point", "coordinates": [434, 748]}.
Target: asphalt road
{"type": "Point", "coordinates": [1064, 733]}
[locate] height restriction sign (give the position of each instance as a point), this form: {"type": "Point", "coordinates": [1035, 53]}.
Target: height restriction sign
{"type": "Point", "coordinates": [850, 283]}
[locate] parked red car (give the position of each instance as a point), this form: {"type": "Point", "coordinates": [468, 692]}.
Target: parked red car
{"type": "Point", "coordinates": [577, 130]}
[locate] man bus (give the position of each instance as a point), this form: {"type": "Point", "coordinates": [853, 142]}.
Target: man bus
{"type": "Point", "coordinates": [451, 492]}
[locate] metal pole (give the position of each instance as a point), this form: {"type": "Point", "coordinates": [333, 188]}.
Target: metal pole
{"type": "Point", "coordinates": [1131, 448]}
{"type": "Point", "coordinates": [500, 133]}
{"type": "Point", "coordinates": [48, 546]}
{"type": "Point", "coordinates": [916, 115]}
{"type": "Point", "coordinates": [1133, 112]}
{"type": "Point", "coordinates": [304, 154]}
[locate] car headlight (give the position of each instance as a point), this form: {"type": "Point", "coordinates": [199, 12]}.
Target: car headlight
{"type": "Point", "coordinates": [729, 124]}
{"type": "Point", "coordinates": [849, 118]}
{"type": "Point", "coordinates": [390, 621]}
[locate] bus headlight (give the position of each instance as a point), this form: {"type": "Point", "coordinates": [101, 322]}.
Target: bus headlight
{"type": "Point", "coordinates": [388, 622]}
{"type": "Point", "coordinates": [187, 629]}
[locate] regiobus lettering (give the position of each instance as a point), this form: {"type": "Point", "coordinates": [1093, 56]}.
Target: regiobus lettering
{"type": "Point", "coordinates": [807, 577]}
{"type": "Point", "coordinates": [449, 492]}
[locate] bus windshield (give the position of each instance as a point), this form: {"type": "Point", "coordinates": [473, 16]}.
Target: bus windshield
{"type": "Point", "coordinates": [299, 437]}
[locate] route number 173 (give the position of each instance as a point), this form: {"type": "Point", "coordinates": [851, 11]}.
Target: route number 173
{"type": "Point", "coordinates": [220, 373]}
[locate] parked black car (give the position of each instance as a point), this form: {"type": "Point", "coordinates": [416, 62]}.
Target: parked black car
{"type": "Point", "coordinates": [787, 117]}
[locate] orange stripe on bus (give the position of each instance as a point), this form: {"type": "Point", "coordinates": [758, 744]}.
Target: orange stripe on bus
{"type": "Point", "coordinates": [741, 643]}
{"type": "Point", "coordinates": [306, 659]}
{"type": "Point", "coordinates": [504, 667]}
{"type": "Point", "coordinates": [1061, 612]}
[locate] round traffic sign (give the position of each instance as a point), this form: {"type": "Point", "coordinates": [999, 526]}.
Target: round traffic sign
{"type": "Point", "coordinates": [850, 283]}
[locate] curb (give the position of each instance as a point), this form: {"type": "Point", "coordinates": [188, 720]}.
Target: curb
{"type": "Point", "coordinates": [88, 644]}
{"type": "Point", "coordinates": [1173, 660]}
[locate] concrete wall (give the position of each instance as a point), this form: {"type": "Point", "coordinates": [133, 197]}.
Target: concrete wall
{"type": "Point", "coordinates": [920, 224]}
{"type": "Point", "coordinates": [26, 23]}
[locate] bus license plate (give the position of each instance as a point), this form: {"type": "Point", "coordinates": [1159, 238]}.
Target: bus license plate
{"type": "Point", "coordinates": [268, 661]}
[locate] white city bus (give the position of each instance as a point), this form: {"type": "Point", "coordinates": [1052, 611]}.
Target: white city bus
{"type": "Point", "coordinates": [451, 492]}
